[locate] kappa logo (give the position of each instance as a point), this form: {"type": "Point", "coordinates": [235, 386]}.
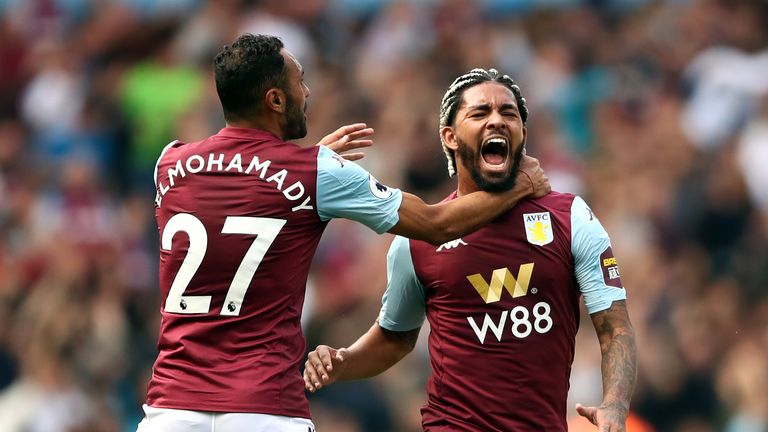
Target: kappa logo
{"type": "Point", "coordinates": [502, 278]}
{"type": "Point", "coordinates": [538, 228]}
{"type": "Point", "coordinates": [338, 159]}
{"type": "Point", "coordinates": [377, 189]}
{"type": "Point", "coordinates": [451, 245]}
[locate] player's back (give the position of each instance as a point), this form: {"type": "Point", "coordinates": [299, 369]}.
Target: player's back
{"type": "Point", "coordinates": [238, 225]}
{"type": "Point", "coordinates": [502, 304]}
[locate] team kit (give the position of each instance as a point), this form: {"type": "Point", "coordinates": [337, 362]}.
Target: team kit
{"type": "Point", "coordinates": [498, 269]}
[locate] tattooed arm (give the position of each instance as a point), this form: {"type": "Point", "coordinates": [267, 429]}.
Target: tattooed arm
{"type": "Point", "coordinates": [619, 367]}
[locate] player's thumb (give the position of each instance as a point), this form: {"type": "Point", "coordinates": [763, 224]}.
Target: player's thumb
{"type": "Point", "coordinates": [341, 355]}
{"type": "Point", "coordinates": [587, 412]}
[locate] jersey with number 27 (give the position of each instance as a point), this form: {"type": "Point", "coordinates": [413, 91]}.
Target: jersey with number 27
{"type": "Point", "coordinates": [240, 215]}
{"type": "Point", "coordinates": [503, 309]}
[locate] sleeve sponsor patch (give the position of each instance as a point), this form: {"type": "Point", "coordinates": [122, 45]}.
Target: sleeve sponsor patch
{"type": "Point", "coordinates": [377, 189]}
{"type": "Point", "coordinates": [610, 268]}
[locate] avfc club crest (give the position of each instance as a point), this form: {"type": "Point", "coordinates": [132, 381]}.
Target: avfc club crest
{"type": "Point", "coordinates": [538, 228]}
{"type": "Point", "coordinates": [377, 189]}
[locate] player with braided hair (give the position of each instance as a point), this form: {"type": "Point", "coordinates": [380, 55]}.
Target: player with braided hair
{"type": "Point", "coordinates": [240, 215]}
{"type": "Point", "coordinates": [453, 96]}
{"type": "Point", "coordinates": [502, 302]}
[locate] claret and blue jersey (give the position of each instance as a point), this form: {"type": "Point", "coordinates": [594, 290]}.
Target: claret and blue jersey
{"type": "Point", "coordinates": [239, 216]}
{"type": "Point", "coordinates": [503, 309]}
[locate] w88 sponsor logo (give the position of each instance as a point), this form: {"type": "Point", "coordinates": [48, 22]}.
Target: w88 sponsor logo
{"type": "Point", "coordinates": [521, 321]}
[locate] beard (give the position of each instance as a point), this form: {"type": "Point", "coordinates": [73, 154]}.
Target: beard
{"type": "Point", "coordinates": [295, 121]}
{"type": "Point", "coordinates": [494, 182]}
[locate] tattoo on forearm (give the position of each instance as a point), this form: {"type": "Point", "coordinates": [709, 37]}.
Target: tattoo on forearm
{"type": "Point", "coordinates": [619, 364]}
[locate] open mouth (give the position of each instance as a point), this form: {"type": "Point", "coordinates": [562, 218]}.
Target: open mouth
{"type": "Point", "coordinates": [495, 151]}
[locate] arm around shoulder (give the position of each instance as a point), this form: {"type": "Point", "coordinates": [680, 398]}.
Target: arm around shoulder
{"type": "Point", "coordinates": [439, 223]}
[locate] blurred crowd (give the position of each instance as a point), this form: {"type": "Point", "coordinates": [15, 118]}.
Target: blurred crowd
{"type": "Point", "coordinates": [655, 111]}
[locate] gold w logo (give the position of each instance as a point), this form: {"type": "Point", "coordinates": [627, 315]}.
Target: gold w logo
{"type": "Point", "coordinates": [502, 277]}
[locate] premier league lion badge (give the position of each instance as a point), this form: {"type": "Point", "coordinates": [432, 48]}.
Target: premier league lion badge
{"type": "Point", "coordinates": [377, 189]}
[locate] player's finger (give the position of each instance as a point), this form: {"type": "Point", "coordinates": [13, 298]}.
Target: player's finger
{"type": "Point", "coordinates": [319, 365]}
{"type": "Point", "coordinates": [341, 355]}
{"type": "Point", "coordinates": [314, 356]}
{"type": "Point", "coordinates": [311, 373]}
{"type": "Point", "coordinates": [362, 133]}
{"type": "Point", "coordinates": [358, 143]}
{"type": "Point", "coordinates": [587, 412]}
{"type": "Point", "coordinates": [325, 359]}
{"type": "Point", "coordinates": [546, 186]}
{"type": "Point", "coordinates": [343, 146]}
{"type": "Point", "coordinates": [353, 156]}
{"type": "Point", "coordinates": [314, 362]}
{"type": "Point", "coordinates": [339, 143]}
{"type": "Point", "coordinates": [308, 382]}
{"type": "Point", "coordinates": [309, 366]}
{"type": "Point", "coordinates": [530, 160]}
{"type": "Point", "coordinates": [324, 356]}
{"type": "Point", "coordinates": [341, 132]}
{"type": "Point", "coordinates": [350, 128]}
{"type": "Point", "coordinates": [322, 373]}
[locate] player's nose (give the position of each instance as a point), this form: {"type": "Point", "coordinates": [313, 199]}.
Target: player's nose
{"type": "Point", "coordinates": [495, 121]}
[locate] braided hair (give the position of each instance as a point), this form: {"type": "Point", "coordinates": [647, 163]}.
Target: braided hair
{"type": "Point", "coordinates": [453, 97]}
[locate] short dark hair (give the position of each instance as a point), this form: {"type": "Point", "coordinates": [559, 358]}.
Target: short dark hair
{"type": "Point", "coordinates": [245, 71]}
{"type": "Point", "coordinates": [449, 106]}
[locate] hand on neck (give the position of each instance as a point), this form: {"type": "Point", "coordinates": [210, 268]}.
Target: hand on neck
{"type": "Point", "coordinates": [466, 185]}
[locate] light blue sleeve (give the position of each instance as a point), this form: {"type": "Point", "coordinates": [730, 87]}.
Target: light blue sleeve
{"type": "Point", "coordinates": [346, 190]}
{"type": "Point", "coordinates": [403, 307]}
{"type": "Point", "coordinates": [597, 272]}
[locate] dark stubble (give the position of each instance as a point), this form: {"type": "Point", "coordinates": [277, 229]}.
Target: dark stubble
{"type": "Point", "coordinates": [500, 183]}
{"type": "Point", "coordinates": [295, 122]}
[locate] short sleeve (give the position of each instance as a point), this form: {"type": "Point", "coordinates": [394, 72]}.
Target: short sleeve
{"type": "Point", "coordinates": [346, 190]}
{"type": "Point", "coordinates": [159, 158]}
{"type": "Point", "coordinates": [597, 271]}
{"type": "Point", "coordinates": [403, 307]}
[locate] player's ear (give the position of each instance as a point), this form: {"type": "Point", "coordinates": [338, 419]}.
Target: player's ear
{"type": "Point", "coordinates": [275, 100]}
{"type": "Point", "coordinates": [525, 140]}
{"type": "Point", "coordinates": [448, 136]}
